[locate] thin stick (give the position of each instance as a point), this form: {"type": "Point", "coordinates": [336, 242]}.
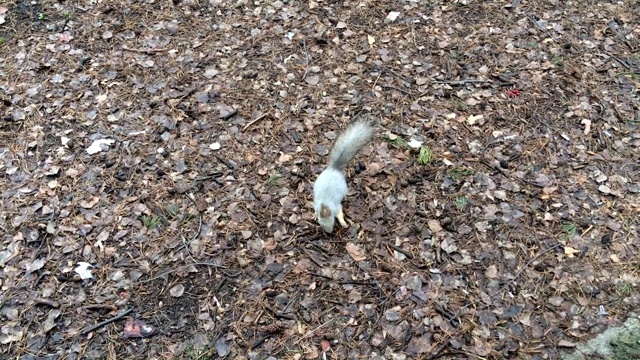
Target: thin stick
{"type": "Point", "coordinates": [542, 28]}
{"type": "Point", "coordinates": [526, 265]}
{"type": "Point", "coordinates": [255, 121]}
{"type": "Point", "coordinates": [398, 89]}
{"type": "Point", "coordinates": [503, 287]}
{"type": "Point", "coordinates": [461, 82]}
{"type": "Point", "coordinates": [313, 331]}
{"type": "Point", "coordinates": [400, 250]}
{"type": "Point", "coordinates": [144, 50]}
{"type": "Point", "coordinates": [95, 251]}
{"type": "Point", "coordinates": [47, 302]}
{"type": "Point", "coordinates": [106, 322]}
{"type": "Point", "coordinates": [373, 88]}
{"type": "Point", "coordinates": [179, 268]}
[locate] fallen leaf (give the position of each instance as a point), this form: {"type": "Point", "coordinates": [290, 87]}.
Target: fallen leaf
{"type": "Point", "coordinates": [326, 345]}
{"type": "Point", "coordinates": [448, 245]}
{"type": "Point", "coordinates": [414, 143]}
{"type": "Point", "coordinates": [570, 252]}
{"type": "Point", "coordinates": [356, 253]}
{"type": "Point", "coordinates": [83, 270]}
{"type": "Point", "coordinates": [312, 80]}
{"type": "Point", "coordinates": [177, 290]}
{"type": "Point", "coordinates": [434, 226]}
{"type": "Point", "coordinates": [35, 265]}
{"type": "Point", "coordinates": [10, 335]}
{"type": "Point", "coordinates": [587, 126]}
{"type": "Point", "coordinates": [99, 145]}
{"type": "Point", "coordinates": [50, 323]}
{"type": "Point", "coordinates": [473, 119]}
{"type": "Point", "coordinates": [222, 347]}
{"type": "Point", "coordinates": [604, 189]}
{"type": "Point", "coordinates": [491, 272]}
{"type": "Point", "coordinates": [134, 328]}
{"type": "Point", "coordinates": [392, 16]}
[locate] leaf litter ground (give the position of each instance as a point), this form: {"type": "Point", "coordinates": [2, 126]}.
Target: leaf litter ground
{"type": "Point", "coordinates": [157, 160]}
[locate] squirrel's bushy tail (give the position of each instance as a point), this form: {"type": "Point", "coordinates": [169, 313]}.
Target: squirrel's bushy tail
{"type": "Point", "coordinates": [347, 145]}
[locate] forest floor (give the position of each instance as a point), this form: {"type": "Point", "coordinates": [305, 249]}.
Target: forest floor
{"type": "Point", "coordinates": [157, 160]}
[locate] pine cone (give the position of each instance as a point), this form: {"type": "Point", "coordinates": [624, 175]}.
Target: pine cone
{"type": "Point", "coordinates": [274, 328]}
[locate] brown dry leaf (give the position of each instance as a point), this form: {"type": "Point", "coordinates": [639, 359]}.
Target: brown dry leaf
{"type": "Point", "coordinates": [135, 328]}
{"type": "Point", "coordinates": [434, 226]}
{"type": "Point", "coordinates": [482, 348]}
{"type": "Point", "coordinates": [491, 272]}
{"type": "Point", "coordinates": [326, 345]}
{"type": "Point", "coordinates": [356, 252]}
{"type": "Point", "coordinates": [570, 252]}
{"type": "Point", "coordinates": [90, 203]}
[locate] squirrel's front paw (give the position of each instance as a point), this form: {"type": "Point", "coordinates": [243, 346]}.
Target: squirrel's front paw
{"type": "Point", "coordinates": [340, 217]}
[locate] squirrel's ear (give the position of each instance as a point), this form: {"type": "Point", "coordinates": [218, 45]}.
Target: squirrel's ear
{"type": "Point", "coordinates": [324, 211]}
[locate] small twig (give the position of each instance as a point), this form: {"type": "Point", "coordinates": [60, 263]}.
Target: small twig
{"type": "Point", "coordinates": [260, 341]}
{"type": "Point", "coordinates": [228, 164]}
{"type": "Point", "coordinates": [144, 51]}
{"type": "Point", "coordinates": [624, 63]}
{"type": "Point", "coordinates": [461, 82]}
{"type": "Point", "coordinates": [401, 90]}
{"type": "Point", "coordinates": [229, 115]}
{"type": "Point", "coordinates": [96, 307]}
{"type": "Point", "coordinates": [214, 175]}
{"type": "Point", "coordinates": [42, 275]}
{"type": "Point", "coordinates": [400, 250]}
{"type": "Point", "coordinates": [526, 265]}
{"type": "Point", "coordinates": [47, 302]}
{"type": "Point", "coordinates": [279, 315]}
{"type": "Point", "coordinates": [436, 353]}
{"type": "Point", "coordinates": [506, 175]}
{"type": "Point", "coordinates": [255, 121]}
{"type": "Point", "coordinates": [375, 83]}
{"type": "Point", "coordinates": [180, 268]}
{"type": "Point", "coordinates": [311, 332]}
{"type": "Point", "coordinates": [95, 251]}
{"type": "Point", "coordinates": [381, 305]}
{"type": "Point", "coordinates": [186, 243]}
{"type": "Point", "coordinates": [542, 28]}
{"type": "Point", "coordinates": [106, 322]}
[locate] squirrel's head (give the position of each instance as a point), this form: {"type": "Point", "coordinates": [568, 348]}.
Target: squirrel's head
{"type": "Point", "coordinates": [326, 218]}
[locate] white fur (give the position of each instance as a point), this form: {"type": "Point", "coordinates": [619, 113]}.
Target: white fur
{"type": "Point", "coordinates": [329, 190]}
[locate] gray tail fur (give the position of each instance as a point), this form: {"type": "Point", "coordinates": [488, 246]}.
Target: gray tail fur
{"type": "Point", "coordinates": [355, 136]}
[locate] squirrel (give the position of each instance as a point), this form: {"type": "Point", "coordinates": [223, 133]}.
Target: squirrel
{"type": "Point", "coordinates": [331, 185]}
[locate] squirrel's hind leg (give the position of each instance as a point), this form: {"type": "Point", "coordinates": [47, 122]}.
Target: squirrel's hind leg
{"type": "Point", "coordinates": [340, 217]}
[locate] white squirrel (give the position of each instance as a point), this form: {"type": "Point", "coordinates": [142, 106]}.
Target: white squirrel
{"type": "Point", "coordinates": [331, 185]}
